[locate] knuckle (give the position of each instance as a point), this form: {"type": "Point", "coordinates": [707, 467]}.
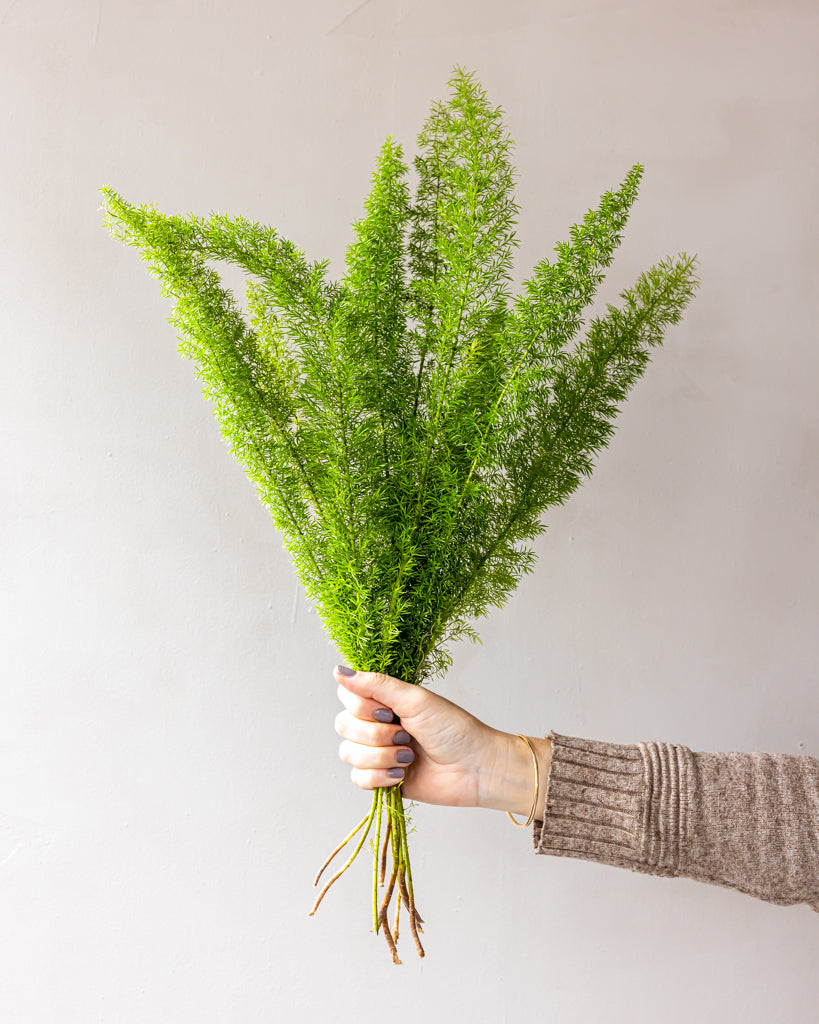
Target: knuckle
{"type": "Point", "coordinates": [362, 779]}
{"type": "Point", "coordinates": [355, 754]}
{"type": "Point", "coordinates": [385, 736]}
{"type": "Point", "coordinates": [361, 708]}
{"type": "Point", "coordinates": [341, 722]}
{"type": "Point", "coordinates": [374, 735]}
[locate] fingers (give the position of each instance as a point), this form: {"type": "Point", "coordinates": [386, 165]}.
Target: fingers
{"type": "Point", "coordinates": [368, 779]}
{"type": "Point", "coordinates": [374, 758]}
{"type": "Point", "coordinates": [372, 751]}
{"type": "Point", "coordinates": [375, 749]}
{"type": "Point", "coordinates": [373, 767]}
{"type": "Point", "coordinates": [371, 734]}
{"type": "Point", "coordinates": [405, 699]}
{"type": "Point", "coordinates": [363, 707]}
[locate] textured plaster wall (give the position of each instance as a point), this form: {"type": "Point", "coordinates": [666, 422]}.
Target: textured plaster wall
{"type": "Point", "coordinates": [169, 778]}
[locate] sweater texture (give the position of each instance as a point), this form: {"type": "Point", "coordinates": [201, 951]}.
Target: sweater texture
{"type": "Point", "coordinates": [746, 821]}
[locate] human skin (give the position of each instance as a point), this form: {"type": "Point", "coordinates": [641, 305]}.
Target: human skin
{"type": "Point", "coordinates": [457, 760]}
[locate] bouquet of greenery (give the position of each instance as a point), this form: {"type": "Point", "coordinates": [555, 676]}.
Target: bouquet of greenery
{"type": "Point", "coordinates": [408, 425]}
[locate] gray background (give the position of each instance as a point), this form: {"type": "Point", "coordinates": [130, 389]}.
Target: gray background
{"type": "Point", "coordinates": [169, 778]}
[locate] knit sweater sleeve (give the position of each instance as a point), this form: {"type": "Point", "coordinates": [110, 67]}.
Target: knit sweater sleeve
{"type": "Point", "coordinates": [747, 821]}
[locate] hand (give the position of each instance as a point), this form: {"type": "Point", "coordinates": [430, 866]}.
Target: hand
{"type": "Point", "coordinates": [454, 759]}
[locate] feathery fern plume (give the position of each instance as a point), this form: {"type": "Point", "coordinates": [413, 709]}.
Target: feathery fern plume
{"type": "Point", "coordinates": [408, 425]}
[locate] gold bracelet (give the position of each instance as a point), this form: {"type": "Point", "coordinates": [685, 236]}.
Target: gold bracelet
{"type": "Point", "coordinates": [531, 818]}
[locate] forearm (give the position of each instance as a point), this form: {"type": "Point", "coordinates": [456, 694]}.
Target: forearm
{"type": "Point", "coordinates": [508, 782]}
{"type": "Point", "coordinates": [746, 821]}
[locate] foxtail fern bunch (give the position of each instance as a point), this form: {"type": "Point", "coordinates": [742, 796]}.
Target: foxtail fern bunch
{"type": "Point", "coordinates": [409, 424]}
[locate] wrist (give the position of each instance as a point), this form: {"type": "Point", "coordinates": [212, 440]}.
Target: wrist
{"type": "Point", "coordinates": [508, 783]}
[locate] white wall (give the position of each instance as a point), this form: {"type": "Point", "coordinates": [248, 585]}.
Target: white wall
{"type": "Point", "coordinates": [169, 778]}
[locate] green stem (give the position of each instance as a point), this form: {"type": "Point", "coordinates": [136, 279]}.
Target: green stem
{"type": "Point", "coordinates": [376, 857]}
{"type": "Point", "coordinates": [405, 861]}
{"type": "Point", "coordinates": [353, 856]}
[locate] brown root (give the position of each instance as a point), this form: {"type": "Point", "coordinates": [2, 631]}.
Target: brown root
{"type": "Point", "coordinates": [383, 865]}
{"type": "Point", "coordinates": [397, 915]}
{"type": "Point", "coordinates": [391, 943]}
{"type": "Point", "coordinates": [382, 917]}
{"type": "Point", "coordinates": [414, 917]}
{"type": "Point", "coordinates": [382, 913]}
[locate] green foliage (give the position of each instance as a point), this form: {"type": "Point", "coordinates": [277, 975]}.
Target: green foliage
{"type": "Point", "coordinates": [408, 425]}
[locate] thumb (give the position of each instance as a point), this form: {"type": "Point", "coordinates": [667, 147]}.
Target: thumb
{"type": "Point", "coordinates": [405, 699]}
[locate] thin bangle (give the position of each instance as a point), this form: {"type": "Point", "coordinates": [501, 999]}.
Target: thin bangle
{"type": "Point", "coordinates": [531, 818]}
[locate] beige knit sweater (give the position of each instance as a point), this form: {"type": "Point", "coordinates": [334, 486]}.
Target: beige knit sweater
{"type": "Point", "coordinates": [746, 821]}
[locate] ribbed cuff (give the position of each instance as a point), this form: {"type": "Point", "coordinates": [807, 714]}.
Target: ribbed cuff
{"type": "Point", "coordinates": [622, 804]}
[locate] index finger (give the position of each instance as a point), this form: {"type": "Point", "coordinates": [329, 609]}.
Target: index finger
{"type": "Point", "coordinates": [364, 707]}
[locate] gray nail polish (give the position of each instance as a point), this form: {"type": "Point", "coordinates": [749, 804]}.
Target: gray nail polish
{"type": "Point", "coordinates": [401, 738]}
{"type": "Point", "coordinates": [382, 715]}
{"type": "Point", "coordinates": [395, 773]}
{"type": "Point", "coordinates": [344, 671]}
{"type": "Point", "coordinates": [405, 756]}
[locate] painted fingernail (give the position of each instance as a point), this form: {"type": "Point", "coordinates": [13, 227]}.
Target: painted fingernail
{"type": "Point", "coordinates": [382, 715]}
{"type": "Point", "coordinates": [405, 756]}
{"type": "Point", "coordinates": [395, 773]}
{"type": "Point", "coordinates": [344, 671]}
{"type": "Point", "coordinates": [401, 738]}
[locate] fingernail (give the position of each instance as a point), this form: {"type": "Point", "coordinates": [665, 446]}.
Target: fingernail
{"type": "Point", "coordinates": [344, 671]}
{"type": "Point", "coordinates": [401, 737]}
{"type": "Point", "coordinates": [395, 773]}
{"type": "Point", "coordinates": [405, 756]}
{"type": "Point", "coordinates": [382, 715]}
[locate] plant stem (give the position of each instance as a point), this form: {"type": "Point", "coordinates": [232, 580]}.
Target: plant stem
{"type": "Point", "coordinates": [400, 878]}
{"type": "Point", "coordinates": [340, 847]}
{"type": "Point", "coordinates": [353, 855]}
{"type": "Point", "coordinates": [376, 858]}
